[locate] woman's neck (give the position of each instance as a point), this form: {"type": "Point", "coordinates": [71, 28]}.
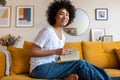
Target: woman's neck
{"type": "Point", "coordinates": [58, 31]}
{"type": "Point", "coordinates": [57, 27]}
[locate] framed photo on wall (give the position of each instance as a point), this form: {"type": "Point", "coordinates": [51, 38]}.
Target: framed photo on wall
{"type": "Point", "coordinates": [97, 34]}
{"type": "Point", "coordinates": [5, 15]}
{"type": "Point", "coordinates": [107, 38]}
{"type": "Point", "coordinates": [24, 16]}
{"type": "Point", "coordinates": [101, 14]}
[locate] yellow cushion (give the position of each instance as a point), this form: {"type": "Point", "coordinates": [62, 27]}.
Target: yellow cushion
{"type": "Point", "coordinates": [27, 45]}
{"type": "Point", "coordinates": [113, 72]}
{"type": "Point", "coordinates": [109, 49]}
{"type": "Point", "coordinates": [110, 46]}
{"type": "Point", "coordinates": [2, 65]}
{"type": "Point", "coordinates": [19, 77]}
{"type": "Point", "coordinates": [118, 53]}
{"type": "Point", "coordinates": [75, 45]}
{"type": "Point", "coordinates": [94, 53]}
{"type": "Point", "coordinates": [20, 60]}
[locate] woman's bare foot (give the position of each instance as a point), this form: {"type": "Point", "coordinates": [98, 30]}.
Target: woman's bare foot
{"type": "Point", "coordinates": [72, 77]}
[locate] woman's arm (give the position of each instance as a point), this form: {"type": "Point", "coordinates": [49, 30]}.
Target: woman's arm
{"type": "Point", "coordinates": [37, 52]}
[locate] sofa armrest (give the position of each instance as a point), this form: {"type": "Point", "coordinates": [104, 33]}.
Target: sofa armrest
{"type": "Point", "coordinates": [2, 64]}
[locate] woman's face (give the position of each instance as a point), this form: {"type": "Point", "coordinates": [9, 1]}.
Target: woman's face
{"type": "Point", "coordinates": [62, 17]}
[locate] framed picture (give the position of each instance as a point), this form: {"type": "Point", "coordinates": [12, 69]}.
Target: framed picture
{"type": "Point", "coordinates": [101, 14]}
{"type": "Point", "coordinates": [24, 16]}
{"type": "Point", "coordinates": [97, 34]}
{"type": "Point", "coordinates": [5, 15]}
{"type": "Point", "coordinates": [107, 38]}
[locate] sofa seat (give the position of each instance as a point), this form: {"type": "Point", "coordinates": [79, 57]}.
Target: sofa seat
{"type": "Point", "coordinates": [113, 72]}
{"type": "Point", "coordinates": [19, 77]}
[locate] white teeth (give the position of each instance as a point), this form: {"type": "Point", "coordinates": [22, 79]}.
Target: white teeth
{"type": "Point", "coordinates": [64, 21]}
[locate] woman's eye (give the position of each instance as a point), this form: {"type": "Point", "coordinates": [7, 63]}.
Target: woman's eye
{"type": "Point", "coordinates": [64, 14]}
{"type": "Point", "coordinates": [61, 14]}
{"type": "Point", "coordinates": [67, 14]}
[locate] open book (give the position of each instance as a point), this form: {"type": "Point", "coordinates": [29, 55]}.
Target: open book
{"type": "Point", "coordinates": [70, 57]}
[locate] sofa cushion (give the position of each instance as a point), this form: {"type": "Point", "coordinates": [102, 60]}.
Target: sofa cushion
{"type": "Point", "coordinates": [94, 53]}
{"type": "Point", "coordinates": [2, 65]}
{"type": "Point", "coordinates": [22, 77]}
{"type": "Point", "coordinates": [118, 53]}
{"type": "Point", "coordinates": [109, 49]}
{"type": "Point", "coordinates": [20, 60]}
{"type": "Point", "coordinates": [113, 72]}
{"type": "Point", "coordinates": [19, 77]}
{"type": "Point", "coordinates": [76, 45]}
{"type": "Point", "coordinates": [27, 45]}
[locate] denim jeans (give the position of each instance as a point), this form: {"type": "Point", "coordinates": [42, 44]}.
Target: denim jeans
{"type": "Point", "coordinates": [83, 69]}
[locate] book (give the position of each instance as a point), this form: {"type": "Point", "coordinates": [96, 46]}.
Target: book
{"type": "Point", "coordinates": [70, 57]}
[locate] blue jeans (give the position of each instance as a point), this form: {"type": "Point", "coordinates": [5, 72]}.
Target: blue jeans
{"type": "Point", "coordinates": [83, 69]}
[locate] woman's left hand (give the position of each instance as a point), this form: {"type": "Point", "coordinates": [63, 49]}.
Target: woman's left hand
{"type": "Point", "coordinates": [62, 51]}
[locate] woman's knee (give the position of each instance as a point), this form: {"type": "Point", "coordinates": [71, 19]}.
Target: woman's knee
{"type": "Point", "coordinates": [81, 61]}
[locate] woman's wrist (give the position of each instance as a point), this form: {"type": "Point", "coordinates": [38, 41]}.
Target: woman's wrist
{"type": "Point", "coordinates": [55, 51]}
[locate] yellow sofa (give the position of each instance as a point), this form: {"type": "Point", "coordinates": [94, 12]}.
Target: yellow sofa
{"type": "Point", "coordinates": [105, 55]}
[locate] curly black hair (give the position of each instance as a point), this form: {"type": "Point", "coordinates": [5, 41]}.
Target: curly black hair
{"type": "Point", "coordinates": [57, 5]}
{"type": "Point", "coordinates": [3, 2]}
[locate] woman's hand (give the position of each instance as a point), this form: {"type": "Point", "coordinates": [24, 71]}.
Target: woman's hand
{"type": "Point", "coordinates": [62, 51]}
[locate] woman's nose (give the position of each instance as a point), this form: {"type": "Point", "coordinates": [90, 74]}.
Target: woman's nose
{"type": "Point", "coordinates": [65, 16]}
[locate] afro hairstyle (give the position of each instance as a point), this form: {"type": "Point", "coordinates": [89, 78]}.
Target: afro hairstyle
{"type": "Point", "coordinates": [55, 6]}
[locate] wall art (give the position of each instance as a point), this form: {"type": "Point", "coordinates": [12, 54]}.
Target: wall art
{"type": "Point", "coordinates": [101, 14]}
{"type": "Point", "coordinates": [24, 16]}
{"type": "Point", "coordinates": [5, 15]}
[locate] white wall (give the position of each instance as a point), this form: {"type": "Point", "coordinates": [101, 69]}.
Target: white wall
{"type": "Point", "coordinates": [111, 26]}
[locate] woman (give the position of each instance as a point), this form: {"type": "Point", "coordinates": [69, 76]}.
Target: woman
{"type": "Point", "coordinates": [48, 46]}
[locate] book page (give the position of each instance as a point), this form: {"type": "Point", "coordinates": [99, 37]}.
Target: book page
{"type": "Point", "coordinates": [69, 57]}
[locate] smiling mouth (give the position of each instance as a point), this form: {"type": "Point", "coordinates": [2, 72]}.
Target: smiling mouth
{"type": "Point", "coordinates": [64, 21]}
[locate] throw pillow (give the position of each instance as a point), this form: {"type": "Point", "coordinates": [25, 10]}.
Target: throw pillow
{"type": "Point", "coordinates": [118, 53]}
{"type": "Point", "coordinates": [27, 45]}
{"type": "Point", "coordinates": [109, 49]}
{"type": "Point", "coordinates": [20, 60]}
{"type": "Point", "coordinates": [94, 53]}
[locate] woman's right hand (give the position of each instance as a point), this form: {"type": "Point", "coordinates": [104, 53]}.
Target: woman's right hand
{"type": "Point", "coordinates": [62, 51]}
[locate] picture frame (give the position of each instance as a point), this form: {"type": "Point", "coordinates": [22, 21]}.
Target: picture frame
{"type": "Point", "coordinates": [5, 16]}
{"type": "Point", "coordinates": [24, 16]}
{"type": "Point", "coordinates": [107, 38]}
{"type": "Point", "coordinates": [101, 14]}
{"type": "Point", "coordinates": [97, 34]}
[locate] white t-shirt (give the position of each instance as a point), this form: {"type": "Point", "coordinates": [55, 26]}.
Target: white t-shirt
{"type": "Point", "coordinates": [47, 40]}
